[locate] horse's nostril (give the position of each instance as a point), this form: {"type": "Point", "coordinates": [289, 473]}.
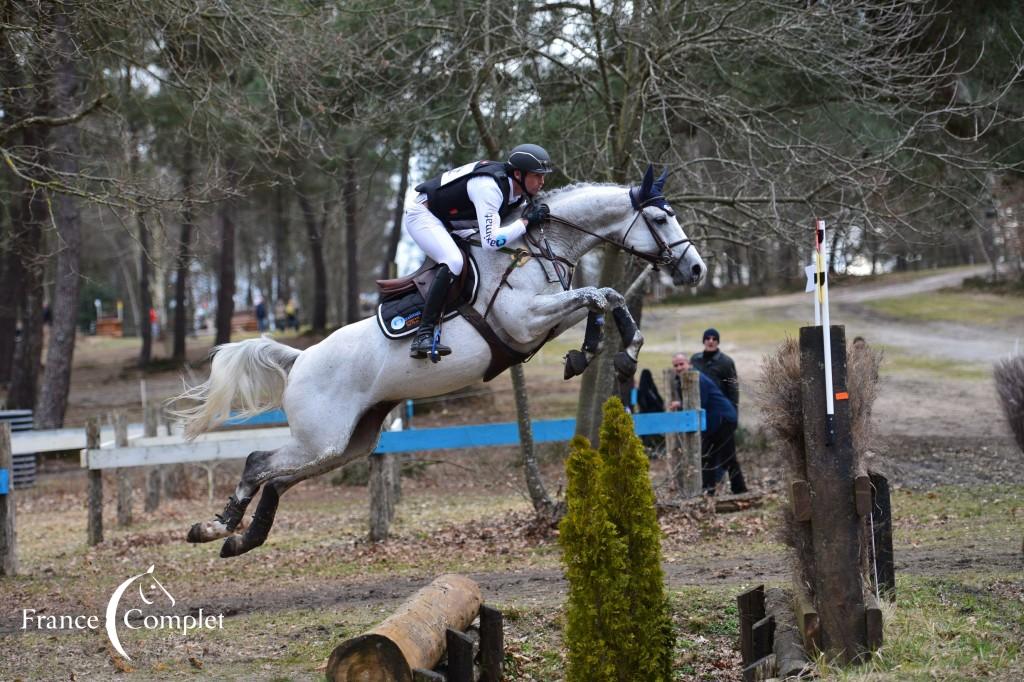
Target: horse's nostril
{"type": "Point", "coordinates": [697, 270]}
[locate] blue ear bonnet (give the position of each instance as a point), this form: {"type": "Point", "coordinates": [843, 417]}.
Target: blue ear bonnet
{"type": "Point", "coordinates": [651, 192]}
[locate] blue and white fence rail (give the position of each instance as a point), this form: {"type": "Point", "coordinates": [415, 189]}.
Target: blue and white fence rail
{"type": "Point", "coordinates": [238, 443]}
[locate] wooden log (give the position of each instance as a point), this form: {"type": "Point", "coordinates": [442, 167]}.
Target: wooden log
{"type": "Point", "coordinates": [800, 499]}
{"type": "Point", "coordinates": [881, 521]}
{"type": "Point", "coordinates": [95, 522]}
{"type": "Point", "coordinates": [807, 620]}
{"type": "Point", "coordinates": [8, 534]}
{"type": "Point", "coordinates": [412, 637]}
{"type": "Point", "coordinates": [124, 475]}
{"type": "Point", "coordinates": [492, 645]}
{"type": "Point", "coordinates": [761, 670]}
{"type": "Point", "coordinates": [460, 656]}
{"type": "Point", "coordinates": [835, 526]}
{"type": "Point", "coordinates": [153, 474]}
{"type": "Point", "coordinates": [790, 656]}
{"type": "Point", "coordinates": [873, 622]}
{"type": "Point", "coordinates": [750, 605]}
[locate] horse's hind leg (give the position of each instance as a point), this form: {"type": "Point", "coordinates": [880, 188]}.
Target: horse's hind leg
{"type": "Point", "coordinates": [361, 443]}
{"type": "Point", "coordinates": [224, 524]}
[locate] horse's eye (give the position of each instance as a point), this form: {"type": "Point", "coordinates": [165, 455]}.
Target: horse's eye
{"type": "Point", "coordinates": [661, 220]}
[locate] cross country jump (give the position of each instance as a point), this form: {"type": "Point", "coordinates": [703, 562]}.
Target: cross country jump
{"type": "Point", "coordinates": [337, 393]}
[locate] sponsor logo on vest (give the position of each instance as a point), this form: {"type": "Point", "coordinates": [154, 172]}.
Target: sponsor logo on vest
{"type": "Point", "coordinates": [397, 322]}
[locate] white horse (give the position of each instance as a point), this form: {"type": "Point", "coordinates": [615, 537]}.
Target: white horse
{"type": "Point", "coordinates": [337, 393]}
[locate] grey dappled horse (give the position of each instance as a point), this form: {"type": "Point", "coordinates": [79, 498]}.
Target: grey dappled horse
{"type": "Point", "coordinates": [337, 393]}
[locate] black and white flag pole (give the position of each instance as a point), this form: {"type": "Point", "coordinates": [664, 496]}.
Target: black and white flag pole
{"type": "Point", "coordinates": [817, 281]}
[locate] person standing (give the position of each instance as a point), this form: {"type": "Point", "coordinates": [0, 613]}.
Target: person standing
{"type": "Point", "coordinates": [718, 366]}
{"type": "Point", "coordinates": [717, 441]}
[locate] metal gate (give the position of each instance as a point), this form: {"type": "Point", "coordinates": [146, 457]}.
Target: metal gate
{"type": "Point", "coordinates": [24, 474]}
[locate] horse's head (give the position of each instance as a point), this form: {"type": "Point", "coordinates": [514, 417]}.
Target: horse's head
{"type": "Point", "coordinates": [663, 239]}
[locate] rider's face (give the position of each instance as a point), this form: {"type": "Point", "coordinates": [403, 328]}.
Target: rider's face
{"type": "Point", "coordinates": [533, 182]}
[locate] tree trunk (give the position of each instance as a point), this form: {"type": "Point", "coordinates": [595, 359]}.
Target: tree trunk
{"type": "Point", "coordinates": [598, 380]}
{"type": "Point", "coordinates": [226, 283]}
{"type": "Point", "coordinates": [28, 248]}
{"type": "Point", "coordinates": [53, 399]}
{"type": "Point", "coordinates": [10, 282]}
{"type": "Point", "coordinates": [351, 240]}
{"type": "Point", "coordinates": [282, 287]}
{"type": "Point", "coordinates": [316, 247]}
{"type": "Point", "coordinates": [145, 295]}
{"type": "Point", "coordinates": [396, 222]}
{"type": "Point", "coordinates": [184, 253]}
{"type": "Point", "coordinates": [542, 503]}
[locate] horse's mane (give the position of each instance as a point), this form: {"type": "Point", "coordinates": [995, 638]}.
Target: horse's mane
{"type": "Point", "coordinates": [548, 196]}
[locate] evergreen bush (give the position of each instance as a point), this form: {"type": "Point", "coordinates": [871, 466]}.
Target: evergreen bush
{"type": "Point", "coordinates": [618, 626]}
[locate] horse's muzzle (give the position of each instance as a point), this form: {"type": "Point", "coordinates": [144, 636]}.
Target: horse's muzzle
{"type": "Point", "coordinates": [687, 272]}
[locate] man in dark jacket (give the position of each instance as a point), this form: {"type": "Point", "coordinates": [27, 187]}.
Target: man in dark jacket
{"type": "Point", "coordinates": [717, 441]}
{"type": "Point", "coordinates": [718, 366]}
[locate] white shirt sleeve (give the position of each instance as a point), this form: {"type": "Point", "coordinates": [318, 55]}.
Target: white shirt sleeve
{"type": "Point", "coordinates": [486, 196]}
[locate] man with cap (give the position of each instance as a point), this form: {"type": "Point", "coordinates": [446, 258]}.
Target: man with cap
{"type": "Point", "coordinates": [467, 201]}
{"type": "Point", "coordinates": [718, 366]}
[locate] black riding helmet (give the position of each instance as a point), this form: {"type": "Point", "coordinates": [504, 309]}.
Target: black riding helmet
{"type": "Point", "coordinates": [530, 158]}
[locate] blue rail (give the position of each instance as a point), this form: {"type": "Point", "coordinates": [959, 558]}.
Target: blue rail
{"type": "Point", "coordinates": [504, 433]}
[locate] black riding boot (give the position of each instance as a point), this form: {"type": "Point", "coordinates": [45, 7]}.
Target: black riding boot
{"type": "Point", "coordinates": [432, 309]}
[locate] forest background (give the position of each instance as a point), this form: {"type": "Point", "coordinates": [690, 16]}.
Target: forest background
{"type": "Point", "coordinates": [194, 157]}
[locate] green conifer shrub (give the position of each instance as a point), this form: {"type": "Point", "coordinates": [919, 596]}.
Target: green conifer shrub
{"type": "Point", "coordinates": [618, 622]}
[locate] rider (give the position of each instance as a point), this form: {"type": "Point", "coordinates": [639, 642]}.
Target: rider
{"type": "Point", "coordinates": [477, 196]}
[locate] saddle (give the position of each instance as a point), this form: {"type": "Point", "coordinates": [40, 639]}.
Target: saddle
{"type": "Point", "coordinates": [401, 299]}
{"type": "Point", "coordinates": [401, 309]}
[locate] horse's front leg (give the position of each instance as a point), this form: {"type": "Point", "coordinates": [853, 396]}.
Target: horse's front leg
{"type": "Point", "coordinates": [625, 360]}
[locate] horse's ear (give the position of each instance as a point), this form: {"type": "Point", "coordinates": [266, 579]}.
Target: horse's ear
{"type": "Point", "coordinates": [647, 184]}
{"type": "Point", "coordinates": [659, 184]}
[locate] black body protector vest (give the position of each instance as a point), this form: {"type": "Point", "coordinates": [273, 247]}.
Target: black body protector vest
{"type": "Point", "coordinates": [449, 201]}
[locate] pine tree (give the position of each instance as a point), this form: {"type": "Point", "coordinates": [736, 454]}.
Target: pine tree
{"type": "Point", "coordinates": [595, 560]}
{"type": "Point", "coordinates": [618, 625]}
{"type": "Point", "coordinates": [646, 653]}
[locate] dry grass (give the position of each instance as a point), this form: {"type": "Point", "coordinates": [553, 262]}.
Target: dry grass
{"type": "Point", "coordinates": [1009, 375]}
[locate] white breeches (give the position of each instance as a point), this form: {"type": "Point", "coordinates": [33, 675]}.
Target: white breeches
{"type": "Point", "coordinates": [430, 234]}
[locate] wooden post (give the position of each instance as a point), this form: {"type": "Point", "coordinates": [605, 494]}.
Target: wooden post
{"type": "Point", "coordinates": [672, 443]}
{"type": "Point", "coordinates": [751, 607]}
{"type": "Point", "coordinates": [835, 526]}
{"type": "Point", "coordinates": [684, 456]}
{"type": "Point", "coordinates": [790, 657]}
{"type": "Point", "coordinates": [124, 475]}
{"type": "Point", "coordinates": [381, 503]}
{"type": "Point", "coordinates": [460, 656]}
{"type": "Point", "coordinates": [881, 518]}
{"type": "Point", "coordinates": [95, 528]}
{"type": "Point", "coordinates": [395, 461]}
{"type": "Point", "coordinates": [150, 418]}
{"type": "Point", "coordinates": [873, 622]}
{"type": "Point", "coordinates": [8, 534]}
{"type": "Point", "coordinates": [492, 645]}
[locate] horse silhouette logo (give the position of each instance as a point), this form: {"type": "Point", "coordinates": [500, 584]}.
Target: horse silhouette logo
{"type": "Point", "coordinates": [152, 585]}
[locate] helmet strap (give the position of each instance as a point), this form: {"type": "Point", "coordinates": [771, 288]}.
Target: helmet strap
{"type": "Point", "coordinates": [519, 181]}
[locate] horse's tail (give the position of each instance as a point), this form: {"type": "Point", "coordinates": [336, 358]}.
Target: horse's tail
{"type": "Point", "coordinates": [249, 375]}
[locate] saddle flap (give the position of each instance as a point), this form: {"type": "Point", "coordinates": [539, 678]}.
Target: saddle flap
{"type": "Point", "coordinates": [390, 287]}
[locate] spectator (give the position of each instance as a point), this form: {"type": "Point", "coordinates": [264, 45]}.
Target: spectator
{"type": "Point", "coordinates": [292, 314]}
{"type": "Point", "coordinates": [261, 315]}
{"type": "Point", "coordinates": [717, 442]}
{"type": "Point", "coordinates": [718, 366]}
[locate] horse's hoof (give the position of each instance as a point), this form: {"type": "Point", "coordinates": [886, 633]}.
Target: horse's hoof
{"type": "Point", "coordinates": [625, 366]}
{"type": "Point", "coordinates": [207, 532]}
{"type": "Point", "coordinates": [233, 546]}
{"type": "Point", "coordinates": [575, 363]}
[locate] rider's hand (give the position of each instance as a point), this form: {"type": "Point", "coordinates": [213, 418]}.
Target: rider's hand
{"type": "Point", "coordinates": [536, 214]}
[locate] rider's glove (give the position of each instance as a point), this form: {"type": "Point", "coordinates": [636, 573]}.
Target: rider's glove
{"type": "Point", "coordinates": [536, 214]}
